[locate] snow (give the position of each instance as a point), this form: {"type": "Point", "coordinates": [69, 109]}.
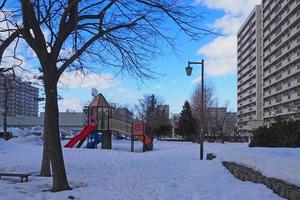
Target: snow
{"type": "Point", "coordinates": [281, 163]}
{"type": "Point", "coordinates": [16, 132]}
{"type": "Point", "coordinates": [171, 171]}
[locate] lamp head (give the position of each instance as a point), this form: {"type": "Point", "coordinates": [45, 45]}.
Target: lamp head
{"type": "Point", "coordinates": [188, 70]}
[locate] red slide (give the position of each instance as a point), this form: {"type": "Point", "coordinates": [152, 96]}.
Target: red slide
{"type": "Point", "coordinates": [81, 136]}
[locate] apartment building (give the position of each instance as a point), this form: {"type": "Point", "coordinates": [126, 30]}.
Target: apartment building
{"type": "Point", "coordinates": [281, 59]}
{"type": "Point", "coordinates": [123, 114]}
{"type": "Point", "coordinates": [249, 72]}
{"type": "Point", "coordinates": [22, 97]}
{"type": "Point", "coordinates": [276, 77]}
{"type": "Point", "coordinates": [163, 110]}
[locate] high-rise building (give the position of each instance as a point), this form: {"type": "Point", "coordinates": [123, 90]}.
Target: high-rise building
{"type": "Point", "coordinates": [281, 59]}
{"type": "Point", "coordinates": [22, 97]}
{"type": "Point", "coordinates": [123, 114]}
{"type": "Point", "coordinates": [249, 72]}
{"type": "Point", "coordinates": [163, 110]}
{"type": "Point", "coordinates": [269, 64]}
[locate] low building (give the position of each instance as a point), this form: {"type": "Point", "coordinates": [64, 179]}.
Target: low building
{"type": "Point", "coordinates": [67, 120]}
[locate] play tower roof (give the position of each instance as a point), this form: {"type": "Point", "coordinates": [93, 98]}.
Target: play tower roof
{"type": "Point", "coordinates": [99, 101]}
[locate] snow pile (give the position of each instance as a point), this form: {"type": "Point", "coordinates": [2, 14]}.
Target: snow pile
{"type": "Point", "coordinates": [281, 163]}
{"type": "Point", "coordinates": [28, 139]}
{"type": "Point", "coordinates": [17, 132]}
{"type": "Point", "coordinates": [26, 136]}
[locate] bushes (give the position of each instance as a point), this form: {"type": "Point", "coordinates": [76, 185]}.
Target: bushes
{"type": "Point", "coordinates": [279, 134]}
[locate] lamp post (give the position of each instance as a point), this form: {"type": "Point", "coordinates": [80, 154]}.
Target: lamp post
{"type": "Point", "coordinates": [189, 70]}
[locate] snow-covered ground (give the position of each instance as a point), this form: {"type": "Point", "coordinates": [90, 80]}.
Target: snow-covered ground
{"type": "Point", "coordinates": [171, 171]}
{"type": "Point", "coordinates": [281, 163]}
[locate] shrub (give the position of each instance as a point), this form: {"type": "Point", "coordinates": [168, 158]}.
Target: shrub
{"type": "Point", "coordinates": [282, 133]}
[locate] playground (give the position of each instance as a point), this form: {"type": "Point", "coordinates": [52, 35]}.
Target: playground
{"type": "Point", "coordinates": [99, 127]}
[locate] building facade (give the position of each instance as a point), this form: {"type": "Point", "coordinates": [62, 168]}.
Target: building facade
{"type": "Point", "coordinates": [281, 59]}
{"type": "Point", "coordinates": [123, 114]}
{"type": "Point", "coordinates": [249, 70]}
{"type": "Point", "coordinates": [164, 110]}
{"type": "Point", "coordinates": [275, 80]}
{"type": "Point", "coordinates": [67, 120]}
{"type": "Point", "coordinates": [22, 97]}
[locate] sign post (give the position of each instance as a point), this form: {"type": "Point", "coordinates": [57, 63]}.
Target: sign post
{"type": "Point", "coordinates": [132, 137]}
{"type": "Point", "coordinates": [138, 130]}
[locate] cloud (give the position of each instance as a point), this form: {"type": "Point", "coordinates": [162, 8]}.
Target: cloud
{"type": "Point", "coordinates": [196, 80]}
{"type": "Point", "coordinates": [228, 24]}
{"type": "Point", "coordinates": [79, 80]}
{"type": "Point", "coordinates": [235, 7]}
{"type": "Point", "coordinates": [220, 54]}
{"type": "Point", "coordinates": [157, 87]}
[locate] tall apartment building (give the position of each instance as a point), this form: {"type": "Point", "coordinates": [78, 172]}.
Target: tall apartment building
{"type": "Point", "coordinates": [22, 97]}
{"type": "Point", "coordinates": [281, 59]}
{"type": "Point", "coordinates": [164, 110]}
{"type": "Point", "coordinates": [122, 114]}
{"type": "Point", "coordinates": [275, 79]}
{"type": "Point", "coordinates": [249, 72]}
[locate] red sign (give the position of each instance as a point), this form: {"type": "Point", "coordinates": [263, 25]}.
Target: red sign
{"type": "Point", "coordinates": [138, 128]}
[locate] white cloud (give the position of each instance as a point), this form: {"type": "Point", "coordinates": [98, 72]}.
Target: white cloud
{"type": "Point", "coordinates": [79, 80]}
{"type": "Point", "coordinates": [228, 24]}
{"type": "Point", "coordinates": [220, 47]}
{"type": "Point", "coordinates": [220, 54]}
{"type": "Point", "coordinates": [157, 87]}
{"type": "Point", "coordinates": [235, 7]}
{"type": "Point", "coordinates": [196, 80]}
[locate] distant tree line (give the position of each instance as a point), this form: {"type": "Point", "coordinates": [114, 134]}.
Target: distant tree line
{"type": "Point", "coordinates": [216, 124]}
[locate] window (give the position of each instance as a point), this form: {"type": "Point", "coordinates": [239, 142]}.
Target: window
{"type": "Point", "coordinates": [278, 100]}
{"type": "Point", "coordinates": [278, 88]}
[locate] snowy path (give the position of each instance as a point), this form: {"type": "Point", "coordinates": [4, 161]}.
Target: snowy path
{"type": "Point", "coordinates": [171, 171]}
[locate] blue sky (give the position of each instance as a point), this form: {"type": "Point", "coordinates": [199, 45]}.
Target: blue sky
{"type": "Point", "coordinates": [173, 85]}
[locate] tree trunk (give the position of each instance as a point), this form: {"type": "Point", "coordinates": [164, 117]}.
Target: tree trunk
{"type": "Point", "coordinates": [45, 168]}
{"type": "Point", "coordinates": [5, 112]}
{"type": "Point", "coordinates": [51, 131]}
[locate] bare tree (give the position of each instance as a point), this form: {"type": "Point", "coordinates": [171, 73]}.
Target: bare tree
{"type": "Point", "coordinates": [70, 34]}
{"type": "Point", "coordinates": [209, 101]}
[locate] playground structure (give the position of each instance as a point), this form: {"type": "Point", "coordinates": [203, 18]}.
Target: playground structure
{"type": "Point", "coordinates": [99, 126]}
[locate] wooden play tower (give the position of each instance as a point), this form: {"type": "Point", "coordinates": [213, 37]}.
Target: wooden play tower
{"type": "Point", "coordinates": [99, 114]}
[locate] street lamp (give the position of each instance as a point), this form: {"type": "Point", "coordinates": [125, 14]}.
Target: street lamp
{"type": "Point", "coordinates": [189, 70]}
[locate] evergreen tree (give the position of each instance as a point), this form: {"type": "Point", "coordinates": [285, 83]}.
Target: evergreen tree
{"type": "Point", "coordinates": [186, 125]}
